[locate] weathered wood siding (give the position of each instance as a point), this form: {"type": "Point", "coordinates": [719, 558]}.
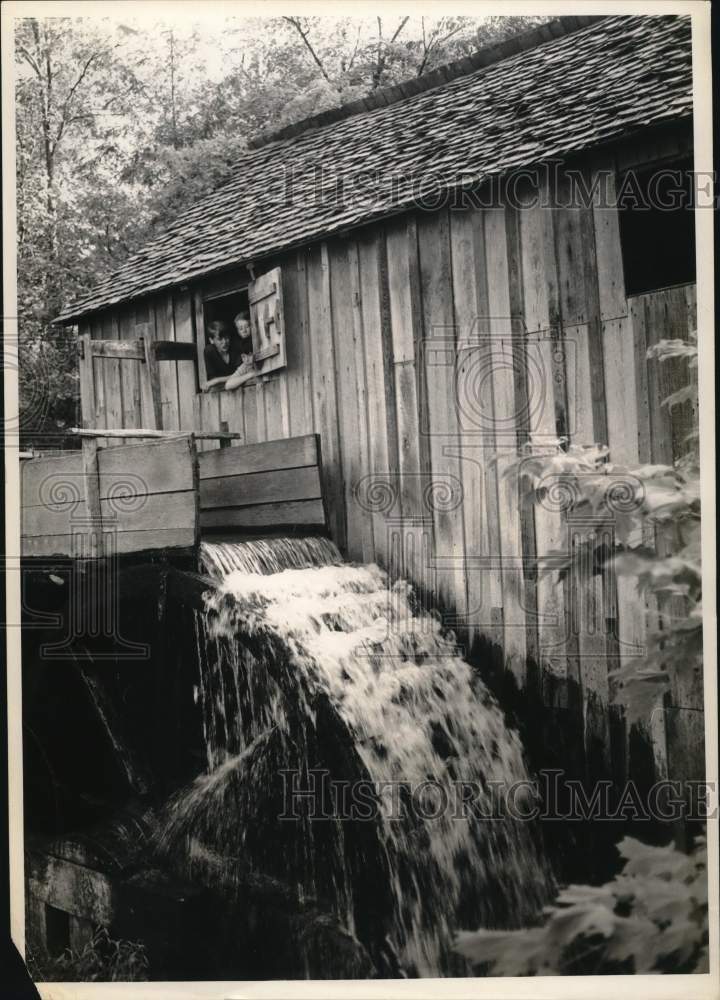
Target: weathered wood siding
{"type": "Point", "coordinates": [263, 487]}
{"type": "Point", "coordinates": [138, 497]}
{"type": "Point", "coordinates": [425, 351]}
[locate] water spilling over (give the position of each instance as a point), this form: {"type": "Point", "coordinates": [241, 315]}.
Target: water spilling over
{"type": "Point", "coordinates": [318, 677]}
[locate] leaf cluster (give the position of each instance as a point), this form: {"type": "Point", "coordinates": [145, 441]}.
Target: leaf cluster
{"type": "Point", "coordinates": [651, 917]}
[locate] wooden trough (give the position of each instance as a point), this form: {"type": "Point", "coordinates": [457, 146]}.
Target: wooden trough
{"type": "Point", "coordinates": [161, 494]}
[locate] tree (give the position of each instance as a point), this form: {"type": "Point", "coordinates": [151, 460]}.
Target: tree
{"type": "Point", "coordinates": [122, 125]}
{"type": "Point", "coordinates": [71, 99]}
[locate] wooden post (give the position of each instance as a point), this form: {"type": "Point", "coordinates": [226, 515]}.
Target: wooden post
{"type": "Point", "coordinates": [224, 427]}
{"type": "Point", "coordinates": [87, 379]}
{"type": "Point", "coordinates": [153, 374]}
{"type": "Point", "coordinates": [92, 497]}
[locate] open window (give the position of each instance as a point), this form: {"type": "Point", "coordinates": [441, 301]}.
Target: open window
{"type": "Point", "coordinates": [657, 227]}
{"type": "Point", "coordinates": [242, 329]}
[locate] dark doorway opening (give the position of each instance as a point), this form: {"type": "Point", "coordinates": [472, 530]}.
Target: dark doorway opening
{"type": "Point", "coordinates": [657, 227]}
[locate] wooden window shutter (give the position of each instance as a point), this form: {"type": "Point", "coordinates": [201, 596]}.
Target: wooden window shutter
{"type": "Point", "coordinates": [267, 320]}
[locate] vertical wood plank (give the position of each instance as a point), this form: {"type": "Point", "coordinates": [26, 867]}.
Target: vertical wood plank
{"type": "Point", "coordinates": [630, 610]}
{"type": "Point", "coordinates": [539, 281]}
{"type": "Point", "coordinates": [275, 403]}
{"type": "Point", "coordinates": [250, 413]}
{"type": "Point", "coordinates": [130, 374]}
{"type": "Point", "coordinates": [165, 330]}
{"type": "Point", "coordinates": [608, 249]}
{"type": "Point", "coordinates": [261, 423]}
{"type": "Point", "coordinates": [297, 346]}
{"type": "Point", "coordinates": [186, 370]}
{"type": "Point", "coordinates": [100, 416]}
{"type": "Point", "coordinates": [524, 384]}
{"type": "Point", "coordinates": [347, 389]}
{"type": "Point", "coordinates": [199, 311]}
{"type": "Point", "coordinates": [354, 290]}
{"type": "Point", "coordinates": [501, 363]}
{"type": "Point", "coordinates": [379, 458]}
{"type": "Point", "coordinates": [209, 404]}
{"type": "Point", "coordinates": [440, 354]}
{"type": "Point", "coordinates": [112, 379]}
{"type": "Point", "coordinates": [232, 412]}
{"type": "Point", "coordinates": [580, 313]}
{"type": "Point", "coordinates": [325, 407]}
{"type": "Point", "coordinates": [391, 421]}
{"type": "Point", "coordinates": [470, 295]}
{"type": "Point", "coordinates": [87, 376]}
{"type": "Point", "coordinates": [200, 445]}
{"type": "Point", "coordinates": [406, 333]}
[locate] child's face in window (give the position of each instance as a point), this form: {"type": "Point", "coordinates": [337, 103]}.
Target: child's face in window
{"type": "Point", "coordinates": [242, 325]}
{"type": "Point", "coordinates": [221, 340]}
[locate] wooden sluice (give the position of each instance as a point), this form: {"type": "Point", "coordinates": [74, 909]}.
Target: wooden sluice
{"type": "Point", "coordinates": [160, 494]}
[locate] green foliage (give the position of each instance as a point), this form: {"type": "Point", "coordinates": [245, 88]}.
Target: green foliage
{"type": "Point", "coordinates": [122, 125]}
{"type": "Point", "coordinates": [48, 386]}
{"type": "Point", "coordinates": [652, 917]}
{"type": "Point", "coordinates": [102, 959]}
{"type": "Point", "coordinates": [654, 511]}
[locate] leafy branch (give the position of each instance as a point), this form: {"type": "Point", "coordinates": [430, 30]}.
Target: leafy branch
{"type": "Point", "coordinates": [652, 917]}
{"type": "Point", "coordinates": [654, 512]}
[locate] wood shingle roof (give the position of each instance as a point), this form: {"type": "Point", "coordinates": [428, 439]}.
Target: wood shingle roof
{"type": "Point", "coordinates": [615, 76]}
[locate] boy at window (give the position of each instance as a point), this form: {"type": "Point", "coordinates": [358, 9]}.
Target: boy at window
{"type": "Point", "coordinates": [222, 355]}
{"type": "Point", "coordinates": [246, 372]}
{"type": "Point", "coordinates": [242, 327]}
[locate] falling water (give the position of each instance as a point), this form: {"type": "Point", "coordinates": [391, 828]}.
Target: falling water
{"type": "Point", "coordinates": [311, 664]}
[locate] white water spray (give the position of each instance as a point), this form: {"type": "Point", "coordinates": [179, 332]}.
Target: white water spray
{"type": "Point", "coordinates": [293, 634]}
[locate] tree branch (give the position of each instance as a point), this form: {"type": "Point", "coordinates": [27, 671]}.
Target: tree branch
{"type": "Point", "coordinates": [355, 50]}
{"type": "Point", "coordinates": [435, 40]}
{"type": "Point", "coordinates": [71, 93]}
{"type": "Point", "coordinates": [382, 50]}
{"type": "Point", "coordinates": [399, 28]}
{"type": "Point", "coordinates": [295, 22]}
{"type": "Point", "coordinates": [29, 60]}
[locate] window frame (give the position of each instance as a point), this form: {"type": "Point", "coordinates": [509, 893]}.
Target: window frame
{"type": "Point", "coordinates": [201, 297]}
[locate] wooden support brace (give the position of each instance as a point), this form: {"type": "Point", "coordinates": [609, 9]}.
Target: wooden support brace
{"type": "Point", "coordinates": [92, 496]}
{"type": "Point", "coordinates": [123, 350]}
{"type": "Point", "coordinates": [139, 432]}
{"type": "Point", "coordinates": [173, 350]}
{"type": "Point", "coordinates": [153, 374]}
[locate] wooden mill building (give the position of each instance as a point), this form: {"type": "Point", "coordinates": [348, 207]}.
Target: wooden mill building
{"type": "Point", "coordinates": [438, 276]}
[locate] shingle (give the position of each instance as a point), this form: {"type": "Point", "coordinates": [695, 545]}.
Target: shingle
{"type": "Point", "coordinates": [616, 75]}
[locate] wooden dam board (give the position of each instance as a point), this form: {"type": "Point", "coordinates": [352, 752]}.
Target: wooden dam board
{"type": "Point", "coordinates": [263, 487]}
{"type": "Point", "coordinates": [148, 498]}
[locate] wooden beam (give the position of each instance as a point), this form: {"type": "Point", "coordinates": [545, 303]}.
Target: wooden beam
{"type": "Point", "coordinates": [261, 487]}
{"type": "Point", "coordinates": [139, 432]}
{"type": "Point", "coordinates": [286, 514]}
{"type": "Point", "coordinates": [173, 350]}
{"type": "Point", "coordinates": [268, 456]}
{"type": "Point", "coordinates": [125, 350]}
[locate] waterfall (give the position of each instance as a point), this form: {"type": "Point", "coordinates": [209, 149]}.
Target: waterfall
{"type": "Point", "coordinates": [317, 675]}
